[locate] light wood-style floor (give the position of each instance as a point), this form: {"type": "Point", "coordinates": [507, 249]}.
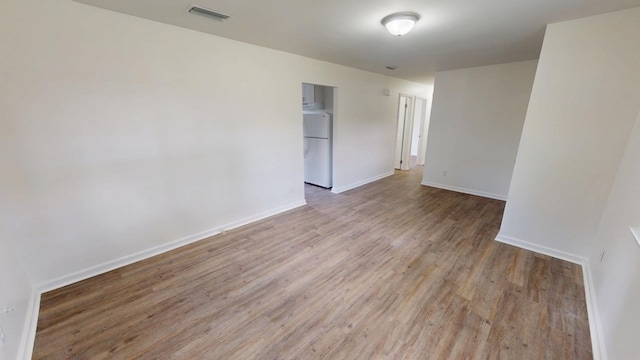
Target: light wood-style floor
{"type": "Point", "coordinates": [391, 270]}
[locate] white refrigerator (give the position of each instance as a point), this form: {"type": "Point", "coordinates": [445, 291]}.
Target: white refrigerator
{"type": "Point", "coordinates": [317, 149]}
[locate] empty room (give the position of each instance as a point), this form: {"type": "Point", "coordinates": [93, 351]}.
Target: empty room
{"type": "Point", "coordinates": [319, 180]}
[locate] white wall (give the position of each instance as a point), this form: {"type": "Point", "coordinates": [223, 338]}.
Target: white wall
{"type": "Point", "coordinates": [15, 293]}
{"type": "Point", "coordinates": [583, 105]}
{"type": "Point", "coordinates": [616, 281]}
{"type": "Point", "coordinates": [123, 134]}
{"type": "Point", "coordinates": [131, 135]}
{"type": "Point", "coordinates": [476, 122]}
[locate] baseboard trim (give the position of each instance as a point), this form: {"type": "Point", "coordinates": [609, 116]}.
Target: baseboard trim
{"type": "Point", "coordinates": [341, 189]}
{"type": "Point", "coordinates": [465, 190]}
{"type": "Point", "coordinates": [29, 331]}
{"type": "Point", "coordinates": [558, 254]}
{"type": "Point", "coordinates": [31, 324]}
{"type": "Point", "coordinates": [156, 250]}
{"type": "Point", "coordinates": [595, 328]}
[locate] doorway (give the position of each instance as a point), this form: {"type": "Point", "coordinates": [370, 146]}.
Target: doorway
{"type": "Point", "coordinates": [318, 131]}
{"type": "Point", "coordinates": [418, 138]}
{"type": "Point", "coordinates": [403, 132]}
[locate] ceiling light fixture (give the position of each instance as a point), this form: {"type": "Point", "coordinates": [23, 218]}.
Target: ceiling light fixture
{"type": "Point", "coordinates": [400, 23]}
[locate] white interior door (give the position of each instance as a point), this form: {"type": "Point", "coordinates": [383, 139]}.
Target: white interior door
{"type": "Point", "coordinates": [403, 132]}
{"type": "Point", "coordinates": [420, 130]}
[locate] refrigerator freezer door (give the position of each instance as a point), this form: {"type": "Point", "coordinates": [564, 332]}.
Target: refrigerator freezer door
{"type": "Point", "coordinates": [317, 162]}
{"type": "Point", "coordinates": [317, 125]}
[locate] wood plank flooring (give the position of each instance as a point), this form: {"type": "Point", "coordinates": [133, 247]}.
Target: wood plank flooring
{"type": "Point", "coordinates": [391, 270]}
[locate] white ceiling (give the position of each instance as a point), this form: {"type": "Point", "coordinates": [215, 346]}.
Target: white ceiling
{"type": "Point", "coordinates": [451, 34]}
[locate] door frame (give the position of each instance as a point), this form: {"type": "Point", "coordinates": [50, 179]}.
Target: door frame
{"type": "Point", "coordinates": [404, 129]}
{"type": "Point", "coordinates": [422, 138]}
{"type": "Point", "coordinates": [331, 105]}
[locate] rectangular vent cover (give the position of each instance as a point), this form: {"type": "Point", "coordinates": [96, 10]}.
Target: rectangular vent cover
{"type": "Point", "coordinates": [208, 13]}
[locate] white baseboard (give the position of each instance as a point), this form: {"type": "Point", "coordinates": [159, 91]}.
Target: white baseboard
{"type": "Point", "coordinates": [595, 328]}
{"type": "Point", "coordinates": [156, 250]}
{"type": "Point", "coordinates": [558, 254]}
{"type": "Point", "coordinates": [340, 189]}
{"type": "Point", "coordinates": [122, 261]}
{"type": "Point", "coordinates": [263, 215]}
{"type": "Point", "coordinates": [29, 332]}
{"type": "Point", "coordinates": [31, 324]}
{"type": "Point", "coordinates": [465, 190]}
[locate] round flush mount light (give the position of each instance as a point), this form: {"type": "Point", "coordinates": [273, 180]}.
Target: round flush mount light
{"type": "Point", "coordinates": [400, 23]}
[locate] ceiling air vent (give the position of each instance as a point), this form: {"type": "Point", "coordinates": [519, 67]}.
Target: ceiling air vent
{"type": "Point", "coordinates": [208, 13]}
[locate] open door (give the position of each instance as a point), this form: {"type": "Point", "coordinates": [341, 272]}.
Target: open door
{"type": "Point", "coordinates": [403, 132]}
{"type": "Point", "coordinates": [418, 139]}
